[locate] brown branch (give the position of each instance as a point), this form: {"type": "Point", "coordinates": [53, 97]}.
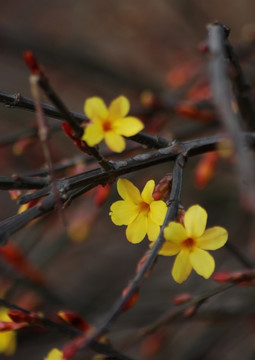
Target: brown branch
{"type": "Point", "coordinates": [174, 314]}
{"type": "Point", "coordinates": [76, 185]}
{"type": "Point", "coordinates": [68, 331]}
{"type": "Point", "coordinates": [240, 87]}
{"type": "Point", "coordinates": [43, 132]}
{"type": "Point", "coordinates": [22, 182]}
{"type": "Point", "coordinates": [134, 285]}
{"type": "Point", "coordinates": [143, 138]}
{"type": "Point", "coordinates": [55, 99]}
{"type": "Point", "coordinates": [222, 97]}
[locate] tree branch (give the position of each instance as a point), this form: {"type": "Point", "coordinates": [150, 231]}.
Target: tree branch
{"type": "Point", "coordinates": [68, 331]}
{"type": "Point", "coordinates": [133, 286]}
{"type": "Point", "coordinates": [222, 97]}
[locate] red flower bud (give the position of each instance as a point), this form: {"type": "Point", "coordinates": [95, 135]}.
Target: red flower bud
{"type": "Point", "coordinates": [181, 298]}
{"type": "Point", "coordinates": [190, 311]}
{"type": "Point", "coordinates": [141, 262]}
{"type": "Point", "coordinates": [76, 140]}
{"type": "Point", "coordinates": [32, 63]}
{"type": "Point", "coordinates": [101, 194]}
{"type": "Point", "coordinates": [19, 316]}
{"type": "Point", "coordinates": [152, 344]}
{"type": "Point", "coordinates": [205, 169]}
{"type": "Point", "coordinates": [75, 320]}
{"type": "Point", "coordinates": [163, 188]}
{"type": "Point", "coordinates": [14, 256]}
{"type": "Point", "coordinates": [188, 109]}
{"type": "Point", "coordinates": [221, 277]}
{"type": "Point", "coordinates": [11, 326]}
{"type": "Point", "coordinates": [72, 347]}
{"type": "Point", "coordinates": [131, 301]}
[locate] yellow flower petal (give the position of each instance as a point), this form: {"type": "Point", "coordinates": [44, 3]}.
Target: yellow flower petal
{"type": "Point", "coordinates": [93, 134]}
{"type": "Point", "coordinates": [213, 238]}
{"type": "Point", "coordinates": [95, 109]}
{"type": "Point", "coordinates": [202, 262]}
{"type": "Point", "coordinates": [8, 340]}
{"type": "Point", "coordinates": [182, 266]}
{"type": "Point", "coordinates": [158, 211]}
{"type": "Point", "coordinates": [153, 230]}
{"type": "Point", "coordinates": [175, 232]}
{"type": "Point", "coordinates": [137, 230]}
{"type": "Point", "coordinates": [118, 108]}
{"type": "Point", "coordinates": [54, 354]}
{"type": "Point", "coordinates": [195, 220]}
{"type": "Point", "coordinates": [128, 126]}
{"type": "Point", "coordinates": [114, 141]}
{"type": "Point", "coordinates": [169, 248]}
{"type": "Point", "coordinates": [128, 191]}
{"type": "Point", "coordinates": [123, 212]}
{"type": "Point", "coordinates": [147, 191]}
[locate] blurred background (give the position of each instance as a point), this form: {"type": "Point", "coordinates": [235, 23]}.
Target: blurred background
{"type": "Point", "coordinates": [140, 49]}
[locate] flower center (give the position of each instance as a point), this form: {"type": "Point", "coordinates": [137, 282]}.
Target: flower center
{"type": "Point", "coordinates": [144, 207]}
{"type": "Point", "coordinates": [107, 125]}
{"type": "Point", "coordinates": [189, 244]}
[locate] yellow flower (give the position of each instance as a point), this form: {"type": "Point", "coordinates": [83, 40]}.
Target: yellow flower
{"type": "Point", "coordinates": [54, 354]}
{"type": "Point", "coordinates": [190, 241]}
{"type": "Point", "coordinates": [140, 212]}
{"type": "Point", "coordinates": [110, 124]}
{"type": "Point", "coordinates": [8, 341]}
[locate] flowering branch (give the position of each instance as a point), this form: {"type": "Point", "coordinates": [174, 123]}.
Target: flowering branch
{"type": "Point", "coordinates": [143, 213]}
{"type": "Point", "coordinates": [34, 319]}
{"type": "Point", "coordinates": [88, 180]}
{"type": "Point", "coordinates": [52, 95]}
{"type": "Point", "coordinates": [150, 256]}
{"type": "Point", "coordinates": [17, 100]}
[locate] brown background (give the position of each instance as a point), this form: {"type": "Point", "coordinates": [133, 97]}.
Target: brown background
{"type": "Point", "coordinates": [108, 48]}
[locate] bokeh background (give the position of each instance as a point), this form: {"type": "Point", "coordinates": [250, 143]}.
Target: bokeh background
{"type": "Point", "coordinates": [107, 48]}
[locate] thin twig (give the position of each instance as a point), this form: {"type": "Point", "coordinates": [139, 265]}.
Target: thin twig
{"type": "Point", "coordinates": [133, 286]}
{"type": "Point", "coordinates": [43, 132]}
{"type": "Point", "coordinates": [14, 223]}
{"type": "Point", "coordinates": [17, 100]}
{"type": "Point", "coordinates": [174, 314]}
{"type": "Point", "coordinates": [85, 181]}
{"type": "Point", "coordinates": [44, 84]}
{"type": "Point", "coordinates": [67, 331]}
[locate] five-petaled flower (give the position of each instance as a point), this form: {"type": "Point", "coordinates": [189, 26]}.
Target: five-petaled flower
{"type": "Point", "coordinates": [109, 123]}
{"type": "Point", "coordinates": [139, 211]}
{"type": "Point", "coordinates": [8, 341]}
{"type": "Point", "coordinates": [190, 241]}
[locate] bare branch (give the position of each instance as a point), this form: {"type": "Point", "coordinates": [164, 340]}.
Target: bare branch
{"type": "Point", "coordinates": [222, 97]}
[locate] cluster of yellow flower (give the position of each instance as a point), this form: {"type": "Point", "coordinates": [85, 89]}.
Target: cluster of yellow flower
{"type": "Point", "coordinates": [139, 211]}
{"type": "Point", "coordinates": [144, 215]}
